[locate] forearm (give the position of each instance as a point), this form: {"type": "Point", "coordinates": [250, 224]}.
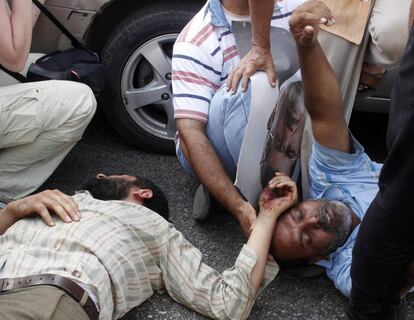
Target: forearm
{"type": "Point", "coordinates": [321, 87]}
{"type": "Point", "coordinates": [16, 31]}
{"type": "Point", "coordinates": [323, 99]}
{"type": "Point", "coordinates": [208, 168]}
{"type": "Point", "coordinates": [259, 241]}
{"type": "Point", "coordinates": [261, 14]}
{"type": "Point", "coordinates": [7, 219]}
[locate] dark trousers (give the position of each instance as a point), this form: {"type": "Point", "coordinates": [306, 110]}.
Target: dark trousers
{"type": "Point", "coordinates": [385, 243]}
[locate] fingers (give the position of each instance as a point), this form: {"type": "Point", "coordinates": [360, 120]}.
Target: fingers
{"type": "Point", "coordinates": [271, 75]}
{"type": "Point", "coordinates": [67, 203]}
{"type": "Point", "coordinates": [45, 215]}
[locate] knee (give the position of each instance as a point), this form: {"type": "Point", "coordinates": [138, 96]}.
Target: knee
{"type": "Point", "coordinates": [389, 33]}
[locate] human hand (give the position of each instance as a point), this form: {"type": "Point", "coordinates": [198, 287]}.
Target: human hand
{"type": "Point", "coordinates": [279, 195]}
{"type": "Point", "coordinates": [43, 204]}
{"type": "Point", "coordinates": [247, 219]}
{"type": "Point", "coordinates": [258, 58]}
{"type": "Point", "coordinates": [305, 21]}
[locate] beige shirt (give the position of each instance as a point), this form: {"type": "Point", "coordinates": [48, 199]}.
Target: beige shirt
{"type": "Point", "coordinates": [124, 252]}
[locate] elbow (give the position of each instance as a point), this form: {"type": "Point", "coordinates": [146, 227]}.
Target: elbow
{"type": "Point", "coordinates": [13, 60]}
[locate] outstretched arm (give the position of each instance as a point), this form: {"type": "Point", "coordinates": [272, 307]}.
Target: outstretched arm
{"type": "Point", "coordinates": [323, 97]}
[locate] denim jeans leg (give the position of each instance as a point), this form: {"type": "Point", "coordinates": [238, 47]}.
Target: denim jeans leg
{"type": "Point", "coordinates": [228, 115]}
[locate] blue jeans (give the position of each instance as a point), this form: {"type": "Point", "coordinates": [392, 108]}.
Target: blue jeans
{"type": "Point", "coordinates": [227, 120]}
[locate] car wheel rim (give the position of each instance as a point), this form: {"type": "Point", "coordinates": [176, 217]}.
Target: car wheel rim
{"type": "Point", "coordinates": [146, 87]}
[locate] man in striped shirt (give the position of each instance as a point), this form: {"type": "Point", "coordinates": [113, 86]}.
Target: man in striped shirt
{"type": "Point", "coordinates": [117, 253]}
{"type": "Point", "coordinates": [204, 55]}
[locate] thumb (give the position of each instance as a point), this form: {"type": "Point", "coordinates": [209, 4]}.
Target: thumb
{"type": "Point", "coordinates": [307, 35]}
{"type": "Point", "coordinates": [271, 75]}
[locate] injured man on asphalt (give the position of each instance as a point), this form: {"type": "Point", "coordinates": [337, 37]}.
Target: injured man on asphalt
{"type": "Point", "coordinates": [104, 257]}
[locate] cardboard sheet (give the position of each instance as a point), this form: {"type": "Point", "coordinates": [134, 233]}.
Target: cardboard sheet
{"type": "Point", "coordinates": [351, 18]}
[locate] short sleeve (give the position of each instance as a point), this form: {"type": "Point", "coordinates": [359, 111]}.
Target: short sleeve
{"type": "Point", "coordinates": [195, 79]}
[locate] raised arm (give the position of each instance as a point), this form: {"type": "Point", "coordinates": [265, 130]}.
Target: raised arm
{"type": "Point", "coordinates": [259, 57]}
{"type": "Point", "coordinates": [322, 93]}
{"type": "Point", "coordinates": [230, 295]}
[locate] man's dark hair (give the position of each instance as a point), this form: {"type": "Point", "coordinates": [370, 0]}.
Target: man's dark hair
{"type": "Point", "coordinates": [117, 189]}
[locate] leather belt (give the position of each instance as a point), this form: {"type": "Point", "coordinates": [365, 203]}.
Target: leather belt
{"type": "Point", "coordinates": [65, 284]}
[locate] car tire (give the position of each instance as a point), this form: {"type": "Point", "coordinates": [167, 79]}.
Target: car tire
{"type": "Point", "coordinates": [138, 96]}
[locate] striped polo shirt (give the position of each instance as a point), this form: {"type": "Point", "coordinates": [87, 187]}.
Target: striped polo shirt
{"type": "Point", "coordinates": [204, 55]}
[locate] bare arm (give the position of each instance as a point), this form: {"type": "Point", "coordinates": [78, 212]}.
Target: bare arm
{"type": "Point", "coordinates": [16, 33]}
{"type": "Point", "coordinates": [260, 56]}
{"type": "Point", "coordinates": [207, 166]}
{"type": "Point", "coordinates": [41, 204]}
{"type": "Point", "coordinates": [323, 97]}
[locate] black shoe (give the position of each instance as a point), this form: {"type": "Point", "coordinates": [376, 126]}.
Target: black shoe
{"type": "Point", "coordinates": [201, 203]}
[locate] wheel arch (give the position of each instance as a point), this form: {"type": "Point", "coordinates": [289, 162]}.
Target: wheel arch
{"type": "Point", "coordinates": [112, 14]}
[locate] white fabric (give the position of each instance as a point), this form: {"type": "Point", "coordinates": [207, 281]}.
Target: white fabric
{"type": "Point", "coordinates": [39, 124]}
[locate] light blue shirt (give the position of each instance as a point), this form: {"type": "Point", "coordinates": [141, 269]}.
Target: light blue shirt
{"type": "Point", "coordinates": [353, 179]}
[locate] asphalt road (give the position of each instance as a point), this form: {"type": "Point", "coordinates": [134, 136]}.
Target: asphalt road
{"type": "Point", "coordinates": [219, 238]}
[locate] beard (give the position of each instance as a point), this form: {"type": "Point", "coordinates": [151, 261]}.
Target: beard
{"type": "Point", "coordinates": [338, 222]}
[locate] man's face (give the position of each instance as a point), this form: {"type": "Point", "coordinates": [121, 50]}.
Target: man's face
{"type": "Point", "coordinates": [307, 231]}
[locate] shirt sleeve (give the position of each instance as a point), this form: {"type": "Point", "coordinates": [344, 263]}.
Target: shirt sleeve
{"type": "Point", "coordinates": [329, 167]}
{"type": "Point", "coordinates": [195, 79]}
{"type": "Point", "coordinates": [220, 296]}
{"type": "Point", "coordinates": [340, 273]}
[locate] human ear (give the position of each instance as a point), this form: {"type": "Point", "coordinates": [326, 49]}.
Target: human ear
{"type": "Point", "coordinates": [143, 194]}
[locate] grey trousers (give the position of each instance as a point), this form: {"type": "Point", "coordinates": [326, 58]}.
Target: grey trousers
{"type": "Point", "coordinates": [383, 44]}
{"type": "Point", "coordinates": [40, 303]}
{"type": "Point", "coordinates": [40, 122]}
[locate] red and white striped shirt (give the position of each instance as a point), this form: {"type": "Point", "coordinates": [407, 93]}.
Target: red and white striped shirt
{"type": "Point", "coordinates": [204, 55]}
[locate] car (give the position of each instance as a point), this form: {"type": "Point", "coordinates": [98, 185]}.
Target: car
{"type": "Point", "coordinates": [135, 40]}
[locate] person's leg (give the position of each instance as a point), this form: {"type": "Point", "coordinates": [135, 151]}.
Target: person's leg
{"type": "Point", "coordinates": [39, 124]}
{"type": "Point", "coordinates": [228, 115]}
{"type": "Point", "coordinates": [385, 243]}
{"type": "Point", "coordinates": [227, 120]}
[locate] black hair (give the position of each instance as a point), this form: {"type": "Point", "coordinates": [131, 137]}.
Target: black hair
{"type": "Point", "coordinates": [117, 189]}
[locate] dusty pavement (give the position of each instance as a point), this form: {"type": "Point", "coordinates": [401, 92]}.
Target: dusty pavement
{"type": "Point", "coordinates": [219, 238]}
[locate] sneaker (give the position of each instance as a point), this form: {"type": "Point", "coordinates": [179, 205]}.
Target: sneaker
{"type": "Point", "coordinates": [201, 203]}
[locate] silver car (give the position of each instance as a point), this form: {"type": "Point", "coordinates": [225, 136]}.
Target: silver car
{"type": "Point", "coordinates": [135, 40]}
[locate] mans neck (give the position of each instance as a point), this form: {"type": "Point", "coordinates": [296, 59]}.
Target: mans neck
{"type": "Point", "coordinates": [238, 7]}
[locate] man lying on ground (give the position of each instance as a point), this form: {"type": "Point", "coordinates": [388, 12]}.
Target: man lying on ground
{"type": "Point", "coordinates": [344, 180]}
{"type": "Point", "coordinates": [111, 256]}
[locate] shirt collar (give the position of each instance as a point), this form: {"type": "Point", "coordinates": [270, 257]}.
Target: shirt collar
{"type": "Point", "coordinates": [218, 19]}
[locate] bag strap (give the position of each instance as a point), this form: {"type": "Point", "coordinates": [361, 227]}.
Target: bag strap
{"type": "Point", "coordinates": [57, 23]}
{"type": "Point", "coordinates": [19, 77]}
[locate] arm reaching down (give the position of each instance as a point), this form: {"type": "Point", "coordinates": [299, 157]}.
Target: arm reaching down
{"type": "Point", "coordinates": [259, 57]}
{"type": "Point", "coordinates": [230, 295]}
{"type": "Point", "coordinates": [323, 97]}
{"type": "Point", "coordinates": [16, 33]}
{"type": "Point", "coordinates": [207, 166]}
